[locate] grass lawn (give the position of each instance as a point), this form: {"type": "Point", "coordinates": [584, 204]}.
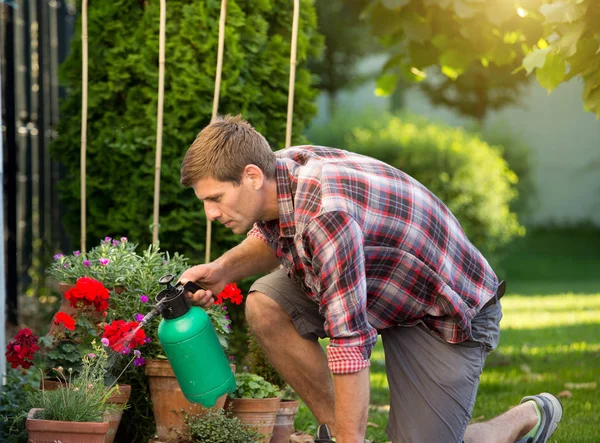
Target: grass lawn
{"type": "Point", "coordinates": [550, 338]}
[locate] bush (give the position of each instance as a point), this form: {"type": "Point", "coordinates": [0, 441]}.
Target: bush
{"type": "Point", "coordinates": [218, 427]}
{"type": "Point", "coordinates": [468, 175]}
{"type": "Point", "coordinates": [123, 83]}
{"type": "Point", "coordinates": [13, 403]}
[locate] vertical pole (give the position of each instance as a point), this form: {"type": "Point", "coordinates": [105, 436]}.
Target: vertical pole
{"type": "Point", "coordinates": [159, 118]}
{"type": "Point", "coordinates": [216, 104]}
{"type": "Point", "coordinates": [84, 102]}
{"type": "Point", "coordinates": [2, 268]}
{"type": "Point", "coordinates": [290, 111]}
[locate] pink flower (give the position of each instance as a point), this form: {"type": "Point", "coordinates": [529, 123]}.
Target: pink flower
{"type": "Point", "coordinates": [123, 239]}
{"type": "Point", "coordinates": [91, 355]}
{"type": "Point", "coordinates": [139, 361]}
{"type": "Point", "coordinates": [104, 341]}
{"type": "Point", "coordinates": [139, 317]}
{"type": "Point", "coordinates": [76, 253]}
{"type": "Point", "coordinates": [58, 256]}
{"type": "Point", "coordinates": [144, 298]}
{"type": "Point", "coordinates": [86, 263]}
{"type": "Point", "coordinates": [103, 261]}
{"type": "Point", "coordinates": [137, 353]}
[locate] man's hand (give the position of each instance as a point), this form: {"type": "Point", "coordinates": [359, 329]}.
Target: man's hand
{"type": "Point", "coordinates": [351, 406]}
{"type": "Point", "coordinates": [210, 277]}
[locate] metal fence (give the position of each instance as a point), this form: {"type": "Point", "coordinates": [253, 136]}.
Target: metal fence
{"type": "Point", "coordinates": [34, 39]}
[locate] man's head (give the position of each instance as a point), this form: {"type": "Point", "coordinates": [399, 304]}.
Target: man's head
{"type": "Point", "coordinates": [232, 169]}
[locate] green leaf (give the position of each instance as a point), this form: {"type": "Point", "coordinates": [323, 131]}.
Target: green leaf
{"type": "Point", "coordinates": [415, 27]}
{"type": "Point", "coordinates": [412, 74]}
{"type": "Point", "coordinates": [394, 4]}
{"type": "Point", "coordinates": [464, 10]}
{"type": "Point", "coordinates": [552, 73]}
{"type": "Point", "coordinates": [570, 37]}
{"type": "Point", "coordinates": [535, 59]}
{"type": "Point", "coordinates": [386, 84]}
{"type": "Point", "coordinates": [561, 12]}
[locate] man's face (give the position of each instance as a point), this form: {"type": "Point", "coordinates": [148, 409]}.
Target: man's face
{"type": "Point", "coordinates": [236, 207]}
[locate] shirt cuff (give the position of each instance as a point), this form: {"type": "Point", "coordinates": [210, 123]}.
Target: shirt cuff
{"type": "Point", "coordinates": [347, 360]}
{"type": "Point", "coordinates": [255, 232]}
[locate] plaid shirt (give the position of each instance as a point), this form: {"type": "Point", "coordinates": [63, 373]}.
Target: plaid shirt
{"type": "Point", "coordinates": [374, 249]}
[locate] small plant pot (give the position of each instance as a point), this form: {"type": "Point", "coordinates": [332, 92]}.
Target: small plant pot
{"type": "Point", "coordinates": [114, 418]}
{"type": "Point", "coordinates": [168, 402]}
{"type": "Point", "coordinates": [257, 412]}
{"type": "Point", "coordinates": [43, 431]}
{"type": "Point", "coordinates": [284, 421]}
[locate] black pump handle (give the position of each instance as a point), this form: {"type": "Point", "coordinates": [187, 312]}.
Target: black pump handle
{"type": "Point", "coordinates": [193, 287]}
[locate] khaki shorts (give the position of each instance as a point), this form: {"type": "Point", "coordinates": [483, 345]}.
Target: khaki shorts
{"type": "Point", "coordinates": [433, 384]}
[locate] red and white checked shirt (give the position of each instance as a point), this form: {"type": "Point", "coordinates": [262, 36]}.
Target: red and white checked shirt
{"type": "Point", "coordinates": [374, 249]}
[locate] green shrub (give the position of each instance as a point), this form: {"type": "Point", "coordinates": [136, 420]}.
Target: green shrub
{"type": "Point", "coordinates": [253, 386]}
{"type": "Point", "coordinates": [123, 84]}
{"type": "Point", "coordinates": [468, 175]}
{"type": "Point", "coordinates": [218, 427]}
{"type": "Point", "coordinates": [13, 403]}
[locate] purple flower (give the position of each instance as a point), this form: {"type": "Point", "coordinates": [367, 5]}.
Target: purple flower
{"type": "Point", "coordinates": [147, 340]}
{"type": "Point", "coordinates": [144, 298]}
{"type": "Point", "coordinates": [103, 261]}
{"type": "Point", "coordinates": [86, 263]}
{"type": "Point", "coordinates": [123, 239]}
{"type": "Point", "coordinates": [76, 253]}
{"type": "Point", "coordinates": [139, 361]}
{"type": "Point", "coordinates": [227, 317]}
{"type": "Point", "coordinates": [224, 308]}
{"type": "Point", "coordinates": [231, 358]}
{"type": "Point", "coordinates": [66, 265]}
{"type": "Point", "coordinates": [58, 256]}
{"type": "Point", "coordinates": [115, 242]}
{"type": "Point", "coordinates": [104, 341]}
{"type": "Point", "coordinates": [107, 239]}
{"type": "Point", "coordinates": [92, 355]}
{"type": "Point", "coordinates": [126, 350]}
{"type": "Point", "coordinates": [137, 353]}
{"type": "Point", "coordinates": [139, 317]}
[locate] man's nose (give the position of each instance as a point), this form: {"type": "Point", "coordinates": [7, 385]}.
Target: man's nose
{"type": "Point", "coordinates": [212, 211]}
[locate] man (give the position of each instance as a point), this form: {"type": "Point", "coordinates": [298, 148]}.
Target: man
{"type": "Point", "coordinates": [361, 249]}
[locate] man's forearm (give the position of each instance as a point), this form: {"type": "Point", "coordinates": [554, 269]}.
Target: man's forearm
{"type": "Point", "coordinates": [351, 406]}
{"type": "Point", "coordinates": [249, 258]}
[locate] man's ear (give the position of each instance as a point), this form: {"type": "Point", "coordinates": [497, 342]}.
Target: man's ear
{"type": "Point", "coordinates": [255, 175]}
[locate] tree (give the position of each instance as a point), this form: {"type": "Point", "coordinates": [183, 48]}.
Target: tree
{"type": "Point", "coordinates": [559, 39]}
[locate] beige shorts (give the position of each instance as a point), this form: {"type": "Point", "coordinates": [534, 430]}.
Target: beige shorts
{"type": "Point", "coordinates": [433, 384]}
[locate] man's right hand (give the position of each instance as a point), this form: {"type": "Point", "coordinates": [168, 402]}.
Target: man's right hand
{"type": "Point", "coordinates": [208, 276]}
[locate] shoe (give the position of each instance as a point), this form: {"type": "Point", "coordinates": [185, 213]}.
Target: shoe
{"type": "Point", "coordinates": [324, 435]}
{"type": "Point", "coordinates": [551, 410]}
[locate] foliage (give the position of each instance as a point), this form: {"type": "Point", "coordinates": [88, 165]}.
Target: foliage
{"type": "Point", "coordinates": [123, 84]}
{"type": "Point", "coordinates": [79, 398]}
{"type": "Point", "coordinates": [347, 40]}
{"type": "Point", "coordinates": [253, 386]}
{"type": "Point", "coordinates": [216, 426]}
{"type": "Point", "coordinates": [257, 363]}
{"type": "Point", "coordinates": [109, 262]}
{"type": "Point", "coordinates": [468, 175]}
{"type": "Point", "coordinates": [13, 403]}
{"type": "Point", "coordinates": [557, 38]}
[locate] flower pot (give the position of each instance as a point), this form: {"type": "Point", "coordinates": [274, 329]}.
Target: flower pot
{"type": "Point", "coordinates": [169, 403]}
{"type": "Point", "coordinates": [257, 412]}
{"type": "Point", "coordinates": [114, 419]}
{"type": "Point", "coordinates": [284, 421]}
{"type": "Point", "coordinates": [43, 431]}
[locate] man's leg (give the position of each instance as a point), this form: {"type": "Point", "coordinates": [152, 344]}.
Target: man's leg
{"type": "Point", "coordinates": [300, 361]}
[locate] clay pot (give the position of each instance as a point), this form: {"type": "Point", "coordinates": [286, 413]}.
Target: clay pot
{"type": "Point", "coordinates": [42, 431]}
{"type": "Point", "coordinates": [114, 419]}
{"type": "Point", "coordinates": [284, 421]}
{"type": "Point", "coordinates": [257, 412]}
{"type": "Point", "coordinates": [169, 403]}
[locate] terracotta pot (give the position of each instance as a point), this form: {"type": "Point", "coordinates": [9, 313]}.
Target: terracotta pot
{"type": "Point", "coordinates": [114, 419]}
{"type": "Point", "coordinates": [257, 412]}
{"type": "Point", "coordinates": [169, 403]}
{"type": "Point", "coordinates": [284, 421]}
{"type": "Point", "coordinates": [43, 431]}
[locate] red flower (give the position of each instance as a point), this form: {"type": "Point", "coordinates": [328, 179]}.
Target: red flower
{"type": "Point", "coordinates": [65, 319]}
{"type": "Point", "coordinates": [231, 292]}
{"type": "Point", "coordinates": [20, 351]}
{"type": "Point", "coordinates": [123, 336]}
{"type": "Point", "coordinates": [88, 292]}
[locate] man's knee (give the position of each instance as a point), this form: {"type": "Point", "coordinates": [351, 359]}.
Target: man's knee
{"type": "Point", "coordinates": [263, 314]}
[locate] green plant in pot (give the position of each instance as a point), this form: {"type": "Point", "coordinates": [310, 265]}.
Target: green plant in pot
{"type": "Point", "coordinates": [79, 409]}
{"type": "Point", "coordinates": [255, 402]}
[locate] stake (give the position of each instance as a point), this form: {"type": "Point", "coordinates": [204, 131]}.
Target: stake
{"type": "Point", "coordinates": [159, 118]}
{"type": "Point", "coordinates": [84, 102]}
{"type": "Point", "coordinates": [290, 112]}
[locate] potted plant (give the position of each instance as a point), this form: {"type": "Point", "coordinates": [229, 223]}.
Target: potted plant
{"type": "Point", "coordinates": [169, 403]}
{"type": "Point", "coordinates": [218, 426]}
{"type": "Point", "coordinates": [72, 339]}
{"type": "Point", "coordinates": [79, 409]}
{"type": "Point", "coordinates": [255, 401]}
{"type": "Point", "coordinates": [257, 363]}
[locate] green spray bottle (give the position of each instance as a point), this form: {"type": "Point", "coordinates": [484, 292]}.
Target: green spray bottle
{"type": "Point", "coordinates": [191, 344]}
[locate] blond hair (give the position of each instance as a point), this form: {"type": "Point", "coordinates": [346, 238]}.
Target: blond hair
{"type": "Point", "coordinates": [223, 149]}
